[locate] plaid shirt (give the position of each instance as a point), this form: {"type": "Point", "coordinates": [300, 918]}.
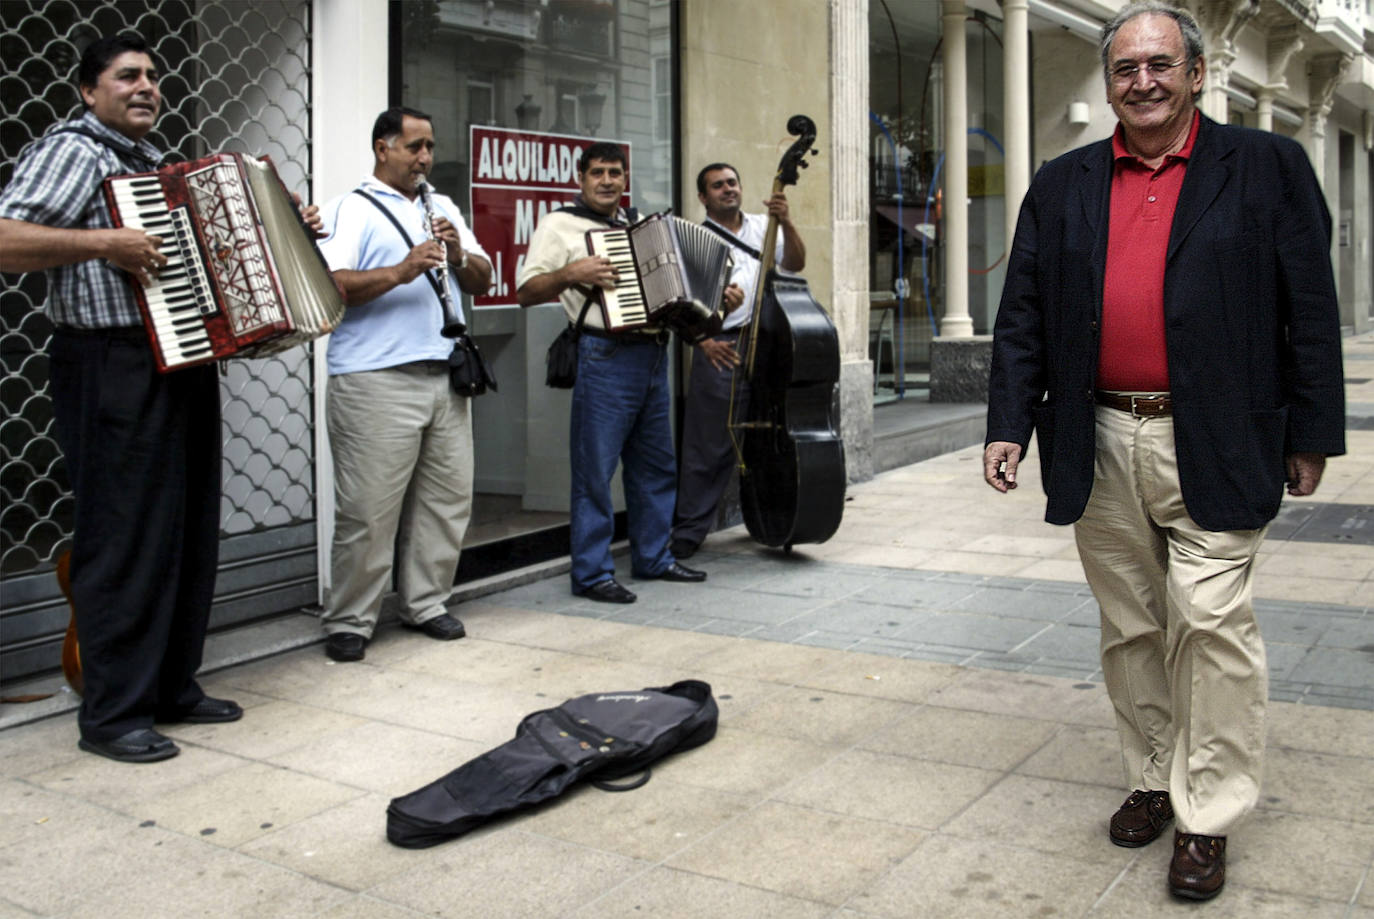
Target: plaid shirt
{"type": "Point", "coordinates": [57, 184]}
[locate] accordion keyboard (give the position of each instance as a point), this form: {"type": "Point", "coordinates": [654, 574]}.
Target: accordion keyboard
{"type": "Point", "coordinates": [180, 295]}
{"type": "Point", "coordinates": [625, 305]}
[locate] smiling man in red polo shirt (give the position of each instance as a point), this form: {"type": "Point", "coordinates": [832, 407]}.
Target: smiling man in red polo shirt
{"type": "Point", "coordinates": [1169, 330]}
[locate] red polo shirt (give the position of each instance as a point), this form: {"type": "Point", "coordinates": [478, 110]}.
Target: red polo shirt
{"type": "Point", "coordinates": [1132, 356]}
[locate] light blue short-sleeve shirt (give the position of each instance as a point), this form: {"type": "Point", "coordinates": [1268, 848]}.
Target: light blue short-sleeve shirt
{"type": "Point", "coordinates": [402, 325]}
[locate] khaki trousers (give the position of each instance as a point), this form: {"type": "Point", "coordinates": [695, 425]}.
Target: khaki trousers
{"type": "Point", "coordinates": [1181, 651]}
{"type": "Point", "coordinates": [402, 447]}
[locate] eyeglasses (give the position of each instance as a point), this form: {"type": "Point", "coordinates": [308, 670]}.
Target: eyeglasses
{"type": "Point", "coordinates": [1158, 70]}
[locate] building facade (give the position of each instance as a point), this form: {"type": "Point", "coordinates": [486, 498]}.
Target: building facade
{"type": "Point", "coordinates": [912, 100]}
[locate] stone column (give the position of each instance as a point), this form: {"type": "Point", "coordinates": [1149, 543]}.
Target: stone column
{"type": "Point", "coordinates": [956, 322]}
{"type": "Point", "coordinates": [1264, 108]}
{"type": "Point", "coordinates": [849, 233]}
{"type": "Point", "coordinates": [1221, 21]}
{"type": "Point", "coordinates": [1362, 293]}
{"type": "Point", "coordinates": [1326, 73]}
{"type": "Point", "coordinates": [1016, 107]}
{"type": "Point", "coordinates": [1283, 42]}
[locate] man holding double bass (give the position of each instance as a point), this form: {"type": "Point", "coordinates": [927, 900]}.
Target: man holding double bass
{"type": "Point", "coordinates": [708, 454]}
{"type": "Point", "coordinates": [142, 448]}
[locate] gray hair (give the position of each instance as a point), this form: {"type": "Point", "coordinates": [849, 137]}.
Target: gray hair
{"type": "Point", "coordinates": [1192, 35]}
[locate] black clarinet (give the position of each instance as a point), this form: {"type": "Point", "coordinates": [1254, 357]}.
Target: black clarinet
{"type": "Point", "coordinates": [453, 323]}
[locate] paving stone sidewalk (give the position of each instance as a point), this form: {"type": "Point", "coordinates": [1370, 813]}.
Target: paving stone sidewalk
{"type": "Point", "coordinates": [912, 724]}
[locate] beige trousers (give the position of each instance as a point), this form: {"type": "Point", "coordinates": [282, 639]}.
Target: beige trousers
{"type": "Point", "coordinates": [1181, 651]}
{"type": "Point", "coordinates": [402, 447]}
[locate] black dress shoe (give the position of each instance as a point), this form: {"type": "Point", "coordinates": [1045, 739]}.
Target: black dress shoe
{"type": "Point", "coordinates": [608, 591]}
{"type": "Point", "coordinates": [676, 572]}
{"type": "Point", "coordinates": [207, 711]}
{"type": "Point", "coordinates": [1140, 819]}
{"type": "Point", "coordinates": [345, 646]}
{"type": "Point", "coordinates": [681, 548]}
{"type": "Point", "coordinates": [443, 627]}
{"type": "Point", "coordinates": [141, 746]}
{"type": "Point", "coordinates": [1198, 867]}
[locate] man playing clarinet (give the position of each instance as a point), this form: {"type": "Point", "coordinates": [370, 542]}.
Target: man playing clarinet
{"type": "Point", "coordinates": [142, 448]}
{"type": "Point", "coordinates": [400, 437]}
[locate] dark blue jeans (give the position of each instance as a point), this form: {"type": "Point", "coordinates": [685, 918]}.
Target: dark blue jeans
{"type": "Point", "coordinates": [620, 414]}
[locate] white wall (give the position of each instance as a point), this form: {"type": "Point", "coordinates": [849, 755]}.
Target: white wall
{"type": "Point", "coordinates": [349, 87]}
{"type": "Point", "coordinates": [1064, 69]}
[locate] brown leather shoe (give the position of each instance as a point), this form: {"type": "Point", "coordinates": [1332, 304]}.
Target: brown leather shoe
{"type": "Point", "coordinates": [1198, 868]}
{"type": "Point", "coordinates": [1141, 818]}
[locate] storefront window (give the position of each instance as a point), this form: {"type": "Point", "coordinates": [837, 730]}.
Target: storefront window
{"type": "Point", "coordinates": [535, 80]}
{"type": "Point", "coordinates": [908, 188]}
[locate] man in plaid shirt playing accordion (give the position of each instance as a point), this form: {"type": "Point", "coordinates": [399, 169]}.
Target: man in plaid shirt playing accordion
{"type": "Point", "coordinates": [142, 448]}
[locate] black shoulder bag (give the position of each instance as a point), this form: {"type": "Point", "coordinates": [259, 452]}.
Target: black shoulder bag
{"type": "Point", "coordinates": [560, 364]}
{"type": "Point", "coordinates": [468, 373]}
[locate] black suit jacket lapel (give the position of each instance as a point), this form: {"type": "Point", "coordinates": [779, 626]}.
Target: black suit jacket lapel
{"type": "Point", "coordinates": [1094, 201]}
{"type": "Point", "coordinates": [1209, 169]}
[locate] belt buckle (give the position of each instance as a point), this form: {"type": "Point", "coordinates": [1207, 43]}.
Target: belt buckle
{"type": "Point", "coordinates": [1137, 400]}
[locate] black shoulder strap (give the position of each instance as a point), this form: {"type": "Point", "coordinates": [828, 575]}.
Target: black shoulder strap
{"type": "Point", "coordinates": [732, 239]}
{"type": "Point", "coordinates": [404, 235]}
{"type": "Point", "coordinates": [84, 131]}
{"type": "Point", "coordinates": [587, 294]}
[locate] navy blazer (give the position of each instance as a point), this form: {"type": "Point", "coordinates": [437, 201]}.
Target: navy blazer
{"type": "Point", "coordinates": [1251, 321]}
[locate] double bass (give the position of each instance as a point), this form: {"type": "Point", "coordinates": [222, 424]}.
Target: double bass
{"type": "Point", "coordinates": [791, 456]}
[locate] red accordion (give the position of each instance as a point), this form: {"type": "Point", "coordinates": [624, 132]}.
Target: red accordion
{"type": "Point", "coordinates": [243, 276]}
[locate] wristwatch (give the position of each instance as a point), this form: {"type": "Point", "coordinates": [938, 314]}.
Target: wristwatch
{"type": "Point", "coordinates": [463, 262]}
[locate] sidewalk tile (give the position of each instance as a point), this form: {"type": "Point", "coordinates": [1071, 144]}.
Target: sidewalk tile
{"type": "Point", "coordinates": [745, 763]}
{"type": "Point", "coordinates": [1143, 893]}
{"type": "Point", "coordinates": [820, 717]}
{"type": "Point", "coordinates": [1335, 731]}
{"type": "Point", "coordinates": [387, 759]}
{"type": "Point", "coordinates": [800, 852]}
{"type": "Point", "coordinates": [667, 893]}
{"type": "Point", "coordinates": [1299, 855]}
{"type": "Point", "coordinates": [343, 845]}
{"type": "Point", "coordinates": [243, 803]}
{"type": "Point", "coordinates": [138, 871]}
{"type": "Point", "coordinates": [1318, 784]}
{"type": "Point", "coordinates": [979, 879]}
{"type": "Point", "coordinates": [1079, 753]}
{"type": "Point", "coordinates": [900, 680]}
{"type": "Point", "coordinates": [651, 823]}
{"type": "Point", "coordinates": [967, 738]}
{"type": "Point", "coordinates": [916, 793]}
{"type": "Point", "coordinates": [1066, 819]}
{"type": "Point", "coordinates": [513, 874]}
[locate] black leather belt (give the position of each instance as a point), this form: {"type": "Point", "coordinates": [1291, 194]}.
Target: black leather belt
{"type": "Point", "coordinates": [1139, 406]}
{"type": "Point", "coordinates": [116, 333]}
{"type": "Point", "coordinates": [659, 337]}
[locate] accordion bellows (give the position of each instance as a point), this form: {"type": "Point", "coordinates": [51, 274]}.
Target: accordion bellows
{"type": "Point", "coordinates": [670, 272]}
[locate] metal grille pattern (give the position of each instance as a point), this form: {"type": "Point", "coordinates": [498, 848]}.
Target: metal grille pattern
{"type": "Point", "coordinates": [236, 77]}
